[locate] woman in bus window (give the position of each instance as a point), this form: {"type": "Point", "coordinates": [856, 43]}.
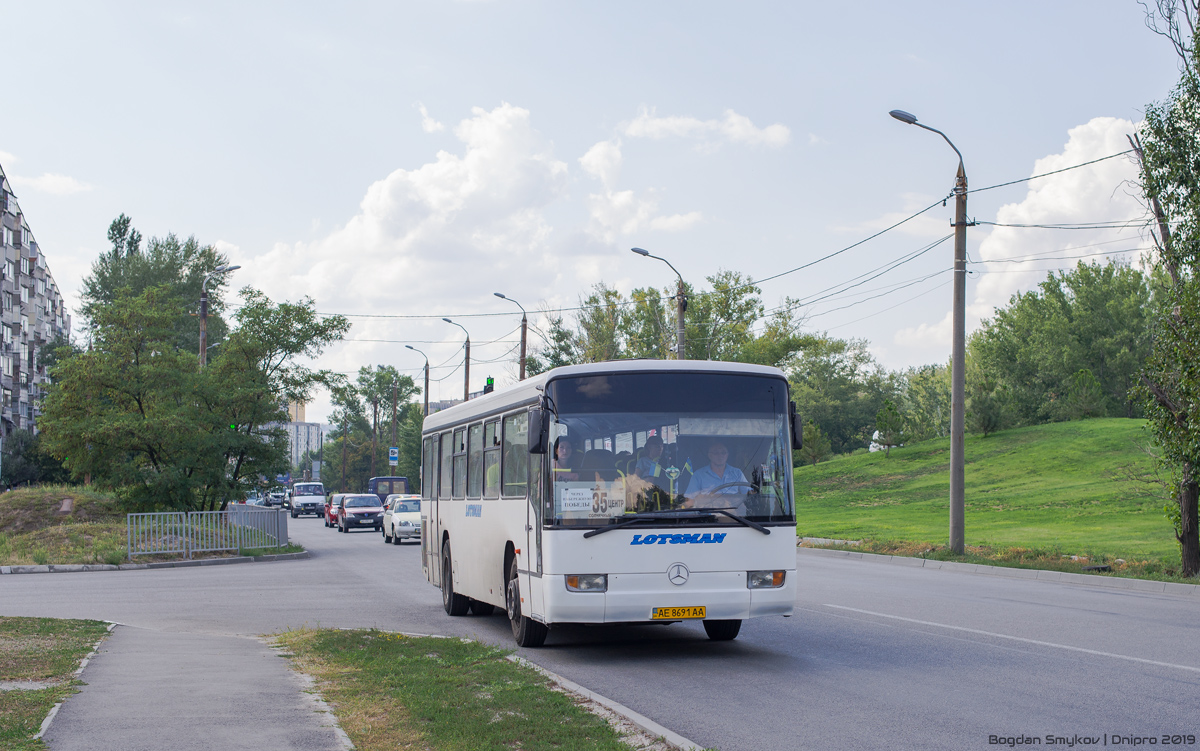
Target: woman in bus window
{"type": "Point", "coordinates": [566, 465]}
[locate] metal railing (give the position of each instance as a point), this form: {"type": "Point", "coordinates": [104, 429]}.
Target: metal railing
{"type": "Point", "coordinates": [177, 532]}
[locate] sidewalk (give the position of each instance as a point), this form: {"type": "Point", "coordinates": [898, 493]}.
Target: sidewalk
{"type": "Point", "coordinates": [151, 690]}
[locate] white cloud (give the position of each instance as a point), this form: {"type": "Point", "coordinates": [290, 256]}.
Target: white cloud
{"type": "Point", "coordinates": [7, 158]}
{"type": "Point", "coordinates": [438, 238]}
{"type": "Point", "coordinates": [622, 212]}
{"type": "Point", "coordinates": [923, 226]}
{"type": "Point", "coordinates": [733, 127]}
{"type": "Point", "coordinates": [428, 124]}
{"type": "Point", "coordinates": [227, 249]}
{"type": "Point", "coordinates": [58, 185]}
{"type": "Point", "coordinates": [603, 161]}
{"type": "Point", "coordinates": [815, 140]}
{"type": "Point", "coordinates": [1086, 195]}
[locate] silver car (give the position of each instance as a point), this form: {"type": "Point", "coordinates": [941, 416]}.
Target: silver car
{"type": "Point", "coordinates": [401, 518]}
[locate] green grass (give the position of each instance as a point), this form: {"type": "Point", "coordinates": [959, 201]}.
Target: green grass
{"type": "Point", "coordinates": [390, 691]}
{"type": "Point", "coordinates": [33, 531]}
{"type": "Point", "coordinates": [45, 650]}
{"type": "Point", "coordinates": [1058, 489]}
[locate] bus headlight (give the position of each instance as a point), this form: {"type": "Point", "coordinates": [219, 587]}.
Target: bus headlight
{"type": "Point", "coordinates": [764, 579]}
{"type": "Point", "coordinates": [587, 582]}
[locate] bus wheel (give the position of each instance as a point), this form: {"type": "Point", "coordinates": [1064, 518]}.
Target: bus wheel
{"type": "Point", "coordinates": [722, 630]}
{"type": "Point", "coordinates": [482, 608]}
{"type": "Point", "coordinates": [454, 603]}
{"type": "Point", "coordinates": [527, 632]}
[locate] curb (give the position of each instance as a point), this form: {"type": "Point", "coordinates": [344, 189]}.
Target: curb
{"type": "Point", "coordinates": [78, 672]}
{"type": "Point", "coordinates": [1061, 577]}
{"type": "Point", "coordinates": [645, 723]}
{"type": "Point", "coordinates": [77, 567]}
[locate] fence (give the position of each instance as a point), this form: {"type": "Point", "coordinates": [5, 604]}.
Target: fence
{"type": "Point", "coordinates": [238, 528]}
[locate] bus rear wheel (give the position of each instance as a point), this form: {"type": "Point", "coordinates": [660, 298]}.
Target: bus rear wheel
{"type": "Point", "coordinates": [454, 603]}
{"type": "Point", "coordinates": [722, 630]}
{"type": "Point", "coordinates": [526, 631]}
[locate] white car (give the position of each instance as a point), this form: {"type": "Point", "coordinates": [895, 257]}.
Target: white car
{"type": "Point", "coordinates": [308, 498]}
{"type": "Point", "coordinates": [401, 518]}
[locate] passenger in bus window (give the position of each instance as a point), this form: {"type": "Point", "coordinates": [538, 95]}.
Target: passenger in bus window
{"type": "Point", "coordinates": [566, 467]}
{"type": "Point", "coordinates": [706, 480]}
{"type": "Point", "coordinates": [650, 464]}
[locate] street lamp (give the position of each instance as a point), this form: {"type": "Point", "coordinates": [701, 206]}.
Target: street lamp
{"type": "Point", "coordinates": [218, 271]}
{"type": "Point", "coordinates": [959, 356]}
{"type": "Point", "coordinates": [466, 361]}
{"type": "Point", "coordinates": [422, 354]}
{"type": "Point", "coordinates": [524, 328]}
{"type": "Point", "coordinates": [680, 304]}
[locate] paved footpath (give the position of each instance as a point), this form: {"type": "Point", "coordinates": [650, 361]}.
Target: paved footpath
{"type": "Point", "coordinates": [151, 690]}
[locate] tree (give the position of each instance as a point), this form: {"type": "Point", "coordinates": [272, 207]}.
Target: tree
{"type": "Point", "coordinates": [1094, 317]}
{"type": "Point", "coordinates": [816, 445]}
{"type": "Point", "coordinates": [648, 327]}
{"type": "Point", "coordinates": [838, 385]}
{"type": "Point", "coordinates": [179, 265]}
{"type": "Point", "coordinates": [889, 427]}
{"type": "Point", "coordinates": [561, 348]}
{"type": "Point", "coordinates": [1170, 177]}
{"type": "Point", "coordinates": [927, 401]}
{"type": "Point", "coordinates": [138, 415]}
{"type": "Point", "coordinates": [600, 326]}
{"type": "Point", "coordinates": [1085, 398]}
{"type": "Point", "coordinates": [25, 462]}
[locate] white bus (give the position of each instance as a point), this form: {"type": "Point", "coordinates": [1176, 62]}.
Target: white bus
{"type": "Point", "coordinates": [616, 492]}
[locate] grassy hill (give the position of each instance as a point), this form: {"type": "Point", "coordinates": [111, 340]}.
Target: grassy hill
{"type": "Point", "coordinates": [34, 530]}
{"type": "Point", "coordinates": [1067, 488]}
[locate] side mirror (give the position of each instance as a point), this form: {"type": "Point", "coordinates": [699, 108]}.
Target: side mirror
{"type": "Point", "coordinates": [797, 427]}
{"type": "Point", "coordinates": [539, 431]}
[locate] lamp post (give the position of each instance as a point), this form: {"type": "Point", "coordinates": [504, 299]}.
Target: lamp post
{"type": "Point", "coordinates": [680, 304]}
{"type": "Point", "coordinates": [466, 361]}
{"type": "Point", "coordinates": [959, 354]}
{"type": "Point", "coordinates": [524, 328]}
{"type": "Point", "coordinates": [218, 271]}
{"type": "Point", "coordinates": [422, 354]}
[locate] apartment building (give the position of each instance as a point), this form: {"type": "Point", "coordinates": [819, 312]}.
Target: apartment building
{"type": "Point", "coordinates": [32, 315]}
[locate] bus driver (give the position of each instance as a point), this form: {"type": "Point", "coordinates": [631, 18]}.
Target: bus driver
{"type": "Point", "coordinates": [706, 479]}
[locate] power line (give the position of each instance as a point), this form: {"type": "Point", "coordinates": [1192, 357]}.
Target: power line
{"type": "Point", "coordinates": [1047, 174]}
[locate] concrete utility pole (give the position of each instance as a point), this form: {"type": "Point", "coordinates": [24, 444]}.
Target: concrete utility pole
{"type": "Point", "coordinates": [466, 361]}
{"type": "Point", "coordinates": [394, 412]}
{"type": "Point", "coordinates": [524, 329]}
{"type": "Point", "coordinates": [422, 354]}
{"type": "Point", "coordinates": [680, 306]}
{"type": "Point", "coordinates": [374, 431]}
{"type": "Point", "coordinates": [345, 443]}
{"type": "Point", "coordinates": [218, 271]}
{"type": "Point", "coordinates": [958, 401]}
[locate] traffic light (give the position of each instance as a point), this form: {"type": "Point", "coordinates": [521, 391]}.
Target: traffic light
{"type": "Point", "coordinates": [490, 386]}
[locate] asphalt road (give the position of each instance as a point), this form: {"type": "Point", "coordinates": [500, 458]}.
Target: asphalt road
{"type": "Point", "coordinates": [876, 657]}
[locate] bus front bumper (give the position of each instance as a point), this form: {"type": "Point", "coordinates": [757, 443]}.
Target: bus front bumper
{"type": "Point", "coordinates": [634, 597]}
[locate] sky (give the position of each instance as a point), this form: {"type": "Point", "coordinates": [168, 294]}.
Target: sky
{"type": "Point", "coordinates": [399, 162]}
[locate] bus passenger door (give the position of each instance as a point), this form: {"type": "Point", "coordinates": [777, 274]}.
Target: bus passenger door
{"type": "Point", "coordinates": [430, 529]}
{"type": "Point", "coordinates": [533, 531]}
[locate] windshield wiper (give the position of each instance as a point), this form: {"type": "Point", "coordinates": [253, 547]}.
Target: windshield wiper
{"type": "Point", "coordinates": [741, 520]}
{"type": "Point", "coordinates": [649, 516]}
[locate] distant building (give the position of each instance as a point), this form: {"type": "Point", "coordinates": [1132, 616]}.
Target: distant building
{"type": "Point", "coordinates": [302, 438]}
{"type": "Point", "coordinates": [32, 315]}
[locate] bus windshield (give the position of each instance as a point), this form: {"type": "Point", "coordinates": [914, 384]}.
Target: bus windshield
{"type": "Point", "coordinates": [675, 444]}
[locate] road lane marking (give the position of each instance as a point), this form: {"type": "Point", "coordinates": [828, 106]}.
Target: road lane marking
{"type": "Point", "coordinates": [1019, 638]}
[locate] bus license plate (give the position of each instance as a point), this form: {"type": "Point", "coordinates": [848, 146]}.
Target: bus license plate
{"type": "Point", "coordinates": [674, 614]}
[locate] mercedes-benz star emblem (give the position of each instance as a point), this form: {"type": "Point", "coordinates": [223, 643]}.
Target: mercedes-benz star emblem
{"type": "Point", "coordinates": [678, 574]}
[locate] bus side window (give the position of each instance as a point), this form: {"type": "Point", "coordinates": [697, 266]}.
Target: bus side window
{"type": "Point", "coordinates": [475, 461]}
{"type": "Point", "coordinates": [447, 448]}
{"type": "Point", "coordinates": [460, 463]}
{"type": "Point", "coordinates": [427, 468]}
{"type": "Point", "coordinates": [516, 454]}
{"type": "Point", "coordinates": [491, 459]}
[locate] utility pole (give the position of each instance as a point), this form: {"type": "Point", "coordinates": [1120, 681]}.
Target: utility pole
{"type": "Point", "coordinates": [958, 366]}
{"type": "Point", "coordinates": [218, 271]}
{"type": "Point", "coordinates": [394, 412]}
{"type": "Point", "coordinates": [958, 399]}
{"type": "Point", "coordinates": [466, 361]}
{"type": "Point", "coordinates": [422, 354]}
{"type": "Point", "coordinates": [524, 330]}
{"type": "Point", "coordinates": [345, 443]}
{"type": "Point", "coordinates": [680, 307]}
{"type": "Point", "coordinates": [374, 431]}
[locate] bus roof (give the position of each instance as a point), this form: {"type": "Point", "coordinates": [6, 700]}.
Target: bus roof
{"type": "Point", "coordinates": [527, 391]}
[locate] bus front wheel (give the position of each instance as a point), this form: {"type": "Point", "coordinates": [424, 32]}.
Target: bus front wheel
{"type": "Point", "coordinates": [454, 603]}
{"type": "Point", "coordinates": [526, 631]}
{"type": "Point", "coordinates": [722, 630]}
